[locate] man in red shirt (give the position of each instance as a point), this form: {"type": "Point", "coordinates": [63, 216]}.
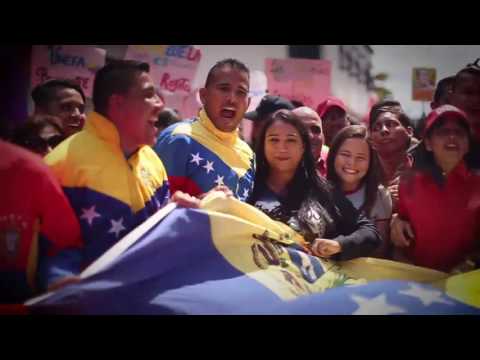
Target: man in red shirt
{"type": "Point", "coordinates": [36, 222]}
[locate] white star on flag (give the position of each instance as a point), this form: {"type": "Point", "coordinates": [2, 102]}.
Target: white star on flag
{"type": "Point", "coordinates": [245, 193]}
{"type": "Point", "coordinates": [209, 166]}
{"type": "Point", "coordinates": [117, 226]}
{"type": "Point", "coordinates": [376, 306]}
{"type": "Point", "coordinates": [196, 158]}
{"type": "Point", "coordinates": [89, 215]}
{"type": "Point", "coordinates": [426, 296]}
{"type": "Point", "coordinates": [219, 180]}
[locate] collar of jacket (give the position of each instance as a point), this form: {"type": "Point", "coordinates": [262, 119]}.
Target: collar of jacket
{"type": "Point", "coordinates": [228, 138]}
{"type": "Point", "coordinates": [104, 128]}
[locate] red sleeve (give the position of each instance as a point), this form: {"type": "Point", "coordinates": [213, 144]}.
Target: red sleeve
{"type": "Point", "coordinates": [403, 201]}
{"type": "Point", "coordinates": [182, 183]}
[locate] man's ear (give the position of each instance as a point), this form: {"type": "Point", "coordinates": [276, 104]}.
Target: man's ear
{"type": "Point", "coordinates": [428, 144]}
{"type": "Point", "coordinates": [116, 101]}
{"type": "Point", "coordinates": [203, 95]}
{"type": "Point", "coordinates": [40, 110]}
{"type": "Point", "coordinates": [410, 131]}
{"type": "Point", "coordinates": [248, 102]}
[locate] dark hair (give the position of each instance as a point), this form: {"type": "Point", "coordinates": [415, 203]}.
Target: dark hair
{"type": "Point", "coordinates": [388, 106]}
{"type": "Point", "coordinates": [167, 117]}
{"type": "Point", "coordinates": [227, 62]}
{"type": "Point", "coordinates": [44, 93]}
{"type": "Point", "coordinates": [27, 135]}
{"type": "Point", "coordinates": [470, 69]}
{"type": "Point", "coordinates": [425, 160]}
{"type": "Point", "coordinates": [117, 77]}
{"type": "Point", "coordinates": [373, 175]}
{"type": "Point", "coordinates": [442, 89]}
{"type": "Point", "coordinates": [297, 103]}
{"type": "Point", "coordinates": [306, 180]}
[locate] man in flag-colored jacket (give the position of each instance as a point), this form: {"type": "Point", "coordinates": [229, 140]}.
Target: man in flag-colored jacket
{"type": "Point", "coordinates": [207, 152]}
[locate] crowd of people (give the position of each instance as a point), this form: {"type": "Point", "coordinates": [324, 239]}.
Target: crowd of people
{"type": "Point", "coordinates": [72, 184]}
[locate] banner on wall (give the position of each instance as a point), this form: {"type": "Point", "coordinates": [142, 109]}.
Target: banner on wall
{"type": "Point", "coordinates": [307, 81]}
{"type": "Point", "coordinates": [76, 62]}
{"type": "Point", "coordinates": [423, 83]}
{"type": "Point", "coordinates": [173, 69]}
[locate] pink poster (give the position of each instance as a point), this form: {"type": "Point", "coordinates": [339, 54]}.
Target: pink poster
{"type": "Point", "coordinates": [76, 62]}
{"type": "Point", "coordinates": [173, 68]}
{"type": "Point", "coordinates": [302, 80]}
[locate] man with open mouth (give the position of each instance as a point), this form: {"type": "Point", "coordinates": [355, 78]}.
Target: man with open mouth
{"type": "Point", "coordinates": [206, 152]}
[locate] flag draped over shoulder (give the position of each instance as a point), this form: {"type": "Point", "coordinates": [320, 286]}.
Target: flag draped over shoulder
{"type": "Point", "coordinates": [229, 258]}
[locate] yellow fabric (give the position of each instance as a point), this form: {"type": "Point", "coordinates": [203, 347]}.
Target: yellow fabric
{"type": "Point", "coordinates": [93, 159]}
{"type": "Point", "coordinates": [373, 269]}
{"type": "Point", "coordinates": [236, 153]}
{"type": "Point", "coordinates": [465, 287]}
{"type": "Point", "coordinates": [246, 253]}
{"type": "Point", "coordinates": [237, 246]}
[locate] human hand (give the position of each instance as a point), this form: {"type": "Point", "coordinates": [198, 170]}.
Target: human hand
{"type": "Point", "coordinates": [222, 188]}
{"type": "Point", "coordinates": [393, 189]}
{"type": "Point", "coordinates": [325, 248]}
{"type": "Point", "coordinates": [401, 232]}
{"type": "Point", "coordinates": [185, 200]}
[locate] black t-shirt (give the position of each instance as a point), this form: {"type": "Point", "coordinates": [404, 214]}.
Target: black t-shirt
{"type": "Point", "coordinates": [338, 220]}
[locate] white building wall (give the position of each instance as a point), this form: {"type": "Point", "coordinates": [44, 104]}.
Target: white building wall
{"type": "Point", "coordinates": [399, 60]}
{"type": "Point", "coordinates": [344, 86]}
{"type": "Point", "coordinates": [251, 55]}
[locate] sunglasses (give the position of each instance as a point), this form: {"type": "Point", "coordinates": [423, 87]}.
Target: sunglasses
{"type": "Point", "coordinates": [39, 144]}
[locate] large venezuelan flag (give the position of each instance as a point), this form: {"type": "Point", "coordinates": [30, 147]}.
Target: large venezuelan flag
{"type": "Point", "coordinates": [229, 258]}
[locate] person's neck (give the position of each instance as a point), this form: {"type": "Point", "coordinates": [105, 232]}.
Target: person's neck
{"type": "Point", "coordinates": [278, 181]}
{"type": "Point", "coordinates": [126, 144]}
{"type": "Point", "coordinates": [128, 149]}
{"type": "Point", "coordinates": [447, 166]}
{"type": "Point", "coordinates": [391, 162]}
{"type": "Point", "coordinates": [349, 188]}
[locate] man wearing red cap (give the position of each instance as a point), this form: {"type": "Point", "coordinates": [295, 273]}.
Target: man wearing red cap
{"type": "Point", "coordinates": [333, 113]}
{"type": "Point", "coordinates": [442, 183]}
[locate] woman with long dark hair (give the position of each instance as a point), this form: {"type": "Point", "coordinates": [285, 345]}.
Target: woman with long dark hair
{"type": "Point", "coordinates": [353, 168]}
{"type": "Point", "coordinates": [288, 189]}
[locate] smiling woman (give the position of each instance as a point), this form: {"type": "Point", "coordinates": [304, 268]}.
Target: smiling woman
{"type": "Point", "coordinates": [353, 168]}
{"type": "Point", "coordinates": [288, 189]}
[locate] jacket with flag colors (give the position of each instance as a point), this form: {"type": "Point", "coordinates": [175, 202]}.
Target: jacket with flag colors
{"type": "Point", "coordinates": [445, 218]}
{"type": "Point", "coordinates": [110, 194]}
{"type": "Point", "coordinates": [35, 217]}
{"type": "Point", "coordinates": [199, 157]}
